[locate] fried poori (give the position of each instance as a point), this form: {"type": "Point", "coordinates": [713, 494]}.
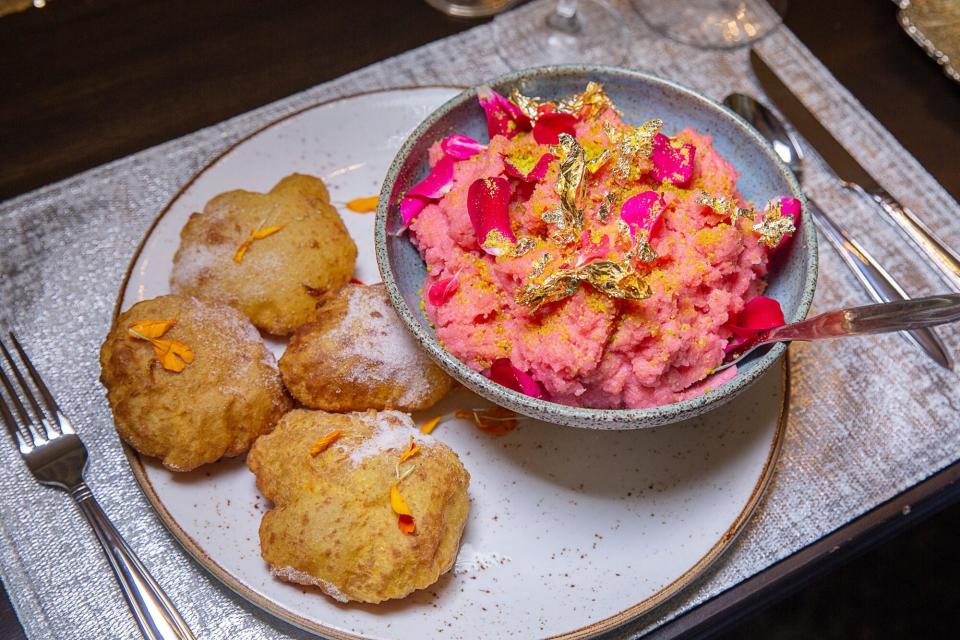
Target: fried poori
{"type": "Point", "coordinates": [355, 354]}
{"type": "Point", "coordinates": [333, 524]}
{"type": "Point", "coordinates": [225, 394]}
{"type": "Point", "coordinates": [272, 255]}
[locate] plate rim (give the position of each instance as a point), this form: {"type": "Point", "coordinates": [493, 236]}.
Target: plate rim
{"type": "Point", "coordinates": [197, 553]}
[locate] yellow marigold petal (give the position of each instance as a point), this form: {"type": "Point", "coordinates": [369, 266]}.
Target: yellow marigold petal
{"type": "Point", "coordinates": [150, 328]}
{"type": "Point", "coordinates": [363, 205]}
{"type": "Point", "coordinates": [324, 443]}
{"type": "Point", "coordinates": [405, 521]}
{"type": "Point", "coordinates": [430, 425]}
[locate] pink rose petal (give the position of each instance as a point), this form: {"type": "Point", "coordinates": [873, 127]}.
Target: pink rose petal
{"type": "Point", "coordinates": [442, 290]}
{"type": "Point", "coordinates": [643, 211]}
{"type": "Point", "coordinates": [504, 373]}
{"type": "Point", "coordinates": [488, 200]}
{"type": "Point", "coordinates": [549, 126]}
{"type": "Point", "coordinates": [535, 174]}
{"type": "Point", "coordinates": [590, 251]}
{"type": "Point", "coordinates": [503, 117]}
{"type": "Point", "coordinates": [789, 207]}
{"type": "Point", "coordinates": [461, 147]}
{"type": "Point", "coordinates": [410, 208]}
{"type": "Point", "coordinates": [438, 181]}
{"type": "Point", "coordinates": [669, 163]}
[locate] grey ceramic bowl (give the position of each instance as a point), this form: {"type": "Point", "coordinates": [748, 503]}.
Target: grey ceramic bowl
{"type": "Point", "coordinates": [639, 96]}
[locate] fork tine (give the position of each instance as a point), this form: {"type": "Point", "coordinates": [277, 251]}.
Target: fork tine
{"type": "Point", "coordinates": [23, 439]}
{"type": "Point", "coordinates": [34, 426]}
{"type": "Point", "coordinates": [52, 407]}
{"type": "Point", "coordinates": [20, 430]}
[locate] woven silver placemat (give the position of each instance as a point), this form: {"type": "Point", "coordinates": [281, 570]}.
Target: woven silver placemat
{"type": "Point", "coordinates": [867, 418]}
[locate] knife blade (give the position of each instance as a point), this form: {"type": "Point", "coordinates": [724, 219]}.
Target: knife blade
{"type": "Point", "coordinates": [944, 260]}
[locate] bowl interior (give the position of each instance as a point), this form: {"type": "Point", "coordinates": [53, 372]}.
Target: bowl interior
{"type": "Point", "coordinates": [639, 96]}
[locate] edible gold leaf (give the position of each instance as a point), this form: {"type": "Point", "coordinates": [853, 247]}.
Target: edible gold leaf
{"type": "Point", "coordinates": [524, 245]}
{"type": "Point", "coordinates": [617, 280]}
{"type": "Point", "coordinates": [527, 105]}
{"type": "Point", "coordinates": [725, 207]}
{"type": "Point", "coordinates": [568, 217]}
{"type": "Point", "coordinates": [774, 225]}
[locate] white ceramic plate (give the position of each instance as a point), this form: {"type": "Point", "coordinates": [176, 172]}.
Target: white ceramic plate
{"type": "Point", "coordinates": [571, 532]}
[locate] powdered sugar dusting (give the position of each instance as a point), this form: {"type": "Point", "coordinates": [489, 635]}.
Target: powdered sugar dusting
{"type": "Point", "coordinates": [391, 430]}
{"type": "Point", "coordinates": [469, 560]}
{"type": "Point", "coordinates": [294, 575]}
{"type": "Point", "coordinates": [391, 352]}
{"type": "Point", "coordinates": [192, 262]}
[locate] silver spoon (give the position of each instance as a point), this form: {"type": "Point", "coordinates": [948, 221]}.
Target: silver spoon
{"type": "Point", "coordinates": [902, 315]}
{"type": "Point", "coordinates": [879, 284]}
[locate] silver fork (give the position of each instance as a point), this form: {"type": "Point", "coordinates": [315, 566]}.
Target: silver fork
{"type": "Point", "coordinates": [56, 456]}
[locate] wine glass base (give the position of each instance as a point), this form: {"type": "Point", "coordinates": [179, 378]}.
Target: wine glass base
{"type": "Point", "coordinates": [712, 24]}
{"type": "Point", "coordinates": [533, 35]}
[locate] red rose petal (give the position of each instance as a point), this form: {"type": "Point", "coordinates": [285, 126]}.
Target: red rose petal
{"type": "Point", "coordinates": [438, 181]}
{"type": "Point", "coordinates": [487, 203]}
{"type": "Point", "coordinates": [504, 373]}
{"type": "Point", "coordinates": [442, 290]}
{"type": "Point", "coordinates": [535, 174]}
{"type": "Point", "coordinates": [549, 126]}
{"type": "Point", "coordinates": [669, 163]}
{"type": "Point", "coordinates": [410, 208]}
{"type": "Point", "coordinates": [758, 314]}
{"type": "Point", "coordinates": [503, 117]}
{"type": "Point", "coordinates": [461, 147]}
{"type": "Point", "coordinates": [643, 211]}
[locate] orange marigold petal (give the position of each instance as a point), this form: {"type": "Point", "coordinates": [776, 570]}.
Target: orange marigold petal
{"type": "Point", "coordinates": [257, 234]}
{"type": "Point", "coordinates": [242, 250]}
{"type": "Point", "coordinates": [265, 232]}
{"type": "Point", "coordinates": [324, 443]}
{"type": "Point", "coordinates": [363, 205]}
{"type": "Point", "coordinates": [430, 425]}
{"type": "Point", "coordinates": [150, 328]}
{"type": "Point", "coordinates": [411, 451]}
{"type": "Point", "coordinates": [495, 421]}
{"type": "Point", "coordinates": [406, 524]}
{"type": "Point", "coordinates": [172, 354]}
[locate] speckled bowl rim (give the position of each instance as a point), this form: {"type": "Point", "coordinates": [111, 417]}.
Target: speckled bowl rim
{"type": "Point", "coordinates": [544, 409]}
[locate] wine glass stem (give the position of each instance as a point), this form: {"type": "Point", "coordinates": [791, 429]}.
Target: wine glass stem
{"type": "Point", "coordinates": [564, 17]}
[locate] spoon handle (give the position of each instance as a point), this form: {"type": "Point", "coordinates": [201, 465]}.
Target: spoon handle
{"type": "Point", "coordinates": [902, 315]}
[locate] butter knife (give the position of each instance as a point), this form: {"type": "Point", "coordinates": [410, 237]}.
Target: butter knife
{"type": "Point", "coordinates": [944, 260]}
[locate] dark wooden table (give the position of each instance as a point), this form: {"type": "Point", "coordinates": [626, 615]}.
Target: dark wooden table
{"type": "Point", "coordinates": [87, 81]}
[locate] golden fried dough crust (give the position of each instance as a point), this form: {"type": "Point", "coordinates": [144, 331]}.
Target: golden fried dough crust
{"type": "Point", "coordinates": [356, 355]}
{"type": "Point", "coordinates": [217, 406]}
{"type": "Point", "coordinates": [332, 524]}
{"type": "Point", "coordinates": [281, 277]}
